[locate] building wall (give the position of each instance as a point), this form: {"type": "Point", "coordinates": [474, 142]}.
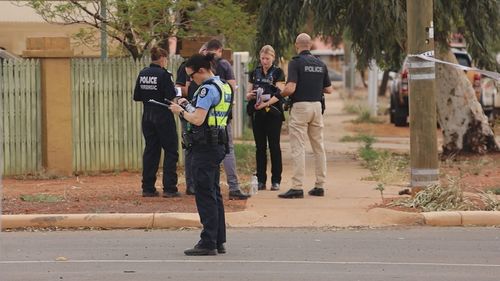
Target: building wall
{"type": "Point", "coordinates": [13, 36]}
{"type": "Point", "coordinates": [18, 22]}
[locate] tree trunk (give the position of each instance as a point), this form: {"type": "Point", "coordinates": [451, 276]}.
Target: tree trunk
{"type": "Point", "coordinates": [383, 84]}
{"type": "Point", "coordinates": [465, 127]}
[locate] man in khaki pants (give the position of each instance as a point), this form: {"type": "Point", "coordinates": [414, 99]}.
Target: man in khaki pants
{"type": "Point", "coordinates": [307, 81]}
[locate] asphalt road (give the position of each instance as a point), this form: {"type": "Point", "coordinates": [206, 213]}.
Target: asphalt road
{"type": "Point", "coordinates": [422, 253]}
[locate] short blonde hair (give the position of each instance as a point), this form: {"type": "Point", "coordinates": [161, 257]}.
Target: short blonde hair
{"type": "Point", "coordinates": [268, 50]}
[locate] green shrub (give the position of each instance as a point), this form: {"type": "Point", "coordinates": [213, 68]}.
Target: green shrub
{"type": "Point", "coordinates": [245, 157]}
{"type": "Point", "coordinates": [42, 198]}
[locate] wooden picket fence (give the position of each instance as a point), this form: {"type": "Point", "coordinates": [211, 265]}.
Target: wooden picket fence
{"type": "Point", "coordinates": [106, 121]}
{"type": "Point", "coordinates": [107, 132]}
{"type": "Point", "coordinates": [20, 111]}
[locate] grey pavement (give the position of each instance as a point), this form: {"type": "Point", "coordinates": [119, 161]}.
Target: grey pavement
{"type": "Point", "coordinates": [444, 254]}
{"type": "Point", "coordinates": [350, 199]}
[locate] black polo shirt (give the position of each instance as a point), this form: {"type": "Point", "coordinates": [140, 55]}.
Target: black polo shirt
{"type": "Point", "coordinates": [311, 76]}
{"type": "Point", "coordinates": [154, 82]}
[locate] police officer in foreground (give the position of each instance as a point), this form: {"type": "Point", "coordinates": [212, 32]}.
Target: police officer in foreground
{"type": "Point", "coordinates": [307, 81]}
{"type": "Point", "coordinates": [207, 140]}
{"type": "Point", "coordinates": [158, 125]}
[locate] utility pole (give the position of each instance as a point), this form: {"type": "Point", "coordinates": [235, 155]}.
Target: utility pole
{"type": "Point", "coordinates": [423, 140]}
{"type": "Point", "coordinates": [104, 33]}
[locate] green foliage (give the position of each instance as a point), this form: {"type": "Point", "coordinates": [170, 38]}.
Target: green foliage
{"type": "Point", "coordinates": [378, 28]}
{"type": "Point", "coordinates": [380, 187]}
{"type": "Point", "coordinates": [138, 24]}
{"type": "Point", "coordinates": [353, 108]}
{"type": "Point", "coordinates": [367, 153]}
{"type": "Point", "coordinates": [495, 191]}
{"type": "Point", "coordinates": [365, 116]}
{"type": "Point", "coordinates": [385, 167]}
{"type": "Point", "coordinates": [42, 198]}
{"type": "Point", "coordinates": [227, 18]}
{"type": "Point", "coordinates": [278, 24]}
{"type": "Point", "coordinates": [478, 21]}
{"type": "Point", "coordinates": [245, 157]}
{"type": "Point", "coordinates": [359, 138]}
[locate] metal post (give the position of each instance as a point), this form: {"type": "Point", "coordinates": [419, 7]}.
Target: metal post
{"type": "Point", "coordinates": [423, 140]}
{"type": "Point", "coordinates": [372, 88]}
{"type": "Point", "coordinates": [104, 35]}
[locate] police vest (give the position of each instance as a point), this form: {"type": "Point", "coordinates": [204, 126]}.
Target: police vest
{"type": "Point", "coordinates": [260, 78]}
{"type": "Point", "coordinates": [217, 115]}
{"type": "Point", "coordinates": [310, 79]}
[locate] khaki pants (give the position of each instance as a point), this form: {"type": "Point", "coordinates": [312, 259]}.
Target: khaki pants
{"type": "Point", "coordinates": [306, 120]}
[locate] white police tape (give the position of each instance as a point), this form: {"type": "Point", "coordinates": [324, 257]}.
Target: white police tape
{"type": "Point", "coordinates": [429, 56]}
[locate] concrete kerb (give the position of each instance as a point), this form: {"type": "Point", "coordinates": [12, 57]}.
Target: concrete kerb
{"type": "Point", "coordinates": [462, 218]}
{"type": "Point", "coordinates": [151, 220]}
{"type": "Point", "coordinates": [236, 219]}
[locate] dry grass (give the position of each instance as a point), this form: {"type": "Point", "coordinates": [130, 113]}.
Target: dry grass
{"type": "Point", "coordinates": [448, 197]}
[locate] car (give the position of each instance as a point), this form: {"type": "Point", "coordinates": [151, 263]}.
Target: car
{"type": "Point", "coordinates": [486, 90]}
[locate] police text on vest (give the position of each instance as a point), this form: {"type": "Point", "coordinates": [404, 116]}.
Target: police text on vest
{"type": "Point", "coordinates": [148, 82]}
{"type": "Point", "coordinates": [315, 69]}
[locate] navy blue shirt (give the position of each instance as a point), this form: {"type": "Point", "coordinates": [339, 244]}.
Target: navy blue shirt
{"type": "Point", "coordinates": [311, 76]}
{"type": "Point", "coordinates": [154, 82]}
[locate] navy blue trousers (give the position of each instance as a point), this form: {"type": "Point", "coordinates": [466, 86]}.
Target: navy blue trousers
{"type": "Point", "coordinates": [206, 160]}
{"type": "Point", "coordinates": [160, 132]}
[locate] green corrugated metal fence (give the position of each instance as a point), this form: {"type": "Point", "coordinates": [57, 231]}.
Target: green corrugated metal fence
{"type": "Point", "coordinates": [20, 105]}
{"type": "Point", "coordinates": [106, 121]}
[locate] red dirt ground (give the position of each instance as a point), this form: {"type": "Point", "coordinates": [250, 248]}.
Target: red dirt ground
{"type": "Point", "coordinates": [106, 193]}
{"type": "Point", "coordinates": [478, 172]}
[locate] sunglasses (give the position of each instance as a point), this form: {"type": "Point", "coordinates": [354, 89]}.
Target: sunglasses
{"type": "Point", "coordinates": [192, 74]}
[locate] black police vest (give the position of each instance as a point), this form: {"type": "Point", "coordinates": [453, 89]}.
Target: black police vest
{"type": "Point", "coordinates": [310, 79]}
{"type": "Point", "coordinates": [260, 78]}
{"type": "Point", "coordinates": [266, 81]}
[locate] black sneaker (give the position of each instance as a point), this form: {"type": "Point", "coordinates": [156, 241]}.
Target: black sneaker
{"type": "Point", "coordinates": [261, 186]}
{"type": "Point", "coordinates": [199, 251]}
{"type": "Point", "coordinates": [317, 191]}
{"type": "Point", "coordinates": [221, 249]}
{"type": "Point", "coordinates": [171, 194]}
{"type": "Point", "coordinates": [275, 186]}
{"type": "Point", "coordinates": [292, 193]}
{"type": "Point", "coordinates": [150, 194]}
{"type": "Point", "coordinates": [238, 195]}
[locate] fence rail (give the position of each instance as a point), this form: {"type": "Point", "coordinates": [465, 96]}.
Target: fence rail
{"type": "Point", "coordinates": [20, 111]}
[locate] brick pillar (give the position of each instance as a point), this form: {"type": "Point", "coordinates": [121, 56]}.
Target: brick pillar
{"type": "Point", "coordinates": [57, 132]}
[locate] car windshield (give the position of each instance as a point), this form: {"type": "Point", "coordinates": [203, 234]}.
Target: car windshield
{"type": "Point", "coordinates": [463, 59]}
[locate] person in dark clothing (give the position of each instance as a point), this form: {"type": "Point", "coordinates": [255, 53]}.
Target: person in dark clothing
{"type": "Point", "coordinates": [207, 140]}
{"type": "Point", "coordinates": [188, 88]}
{"type": "Point", "coordinates": [224, 70]}
{"type": "Point", "coordinates": [265, 81]}
{"type": "Point", "coordinates": [158, 125]}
